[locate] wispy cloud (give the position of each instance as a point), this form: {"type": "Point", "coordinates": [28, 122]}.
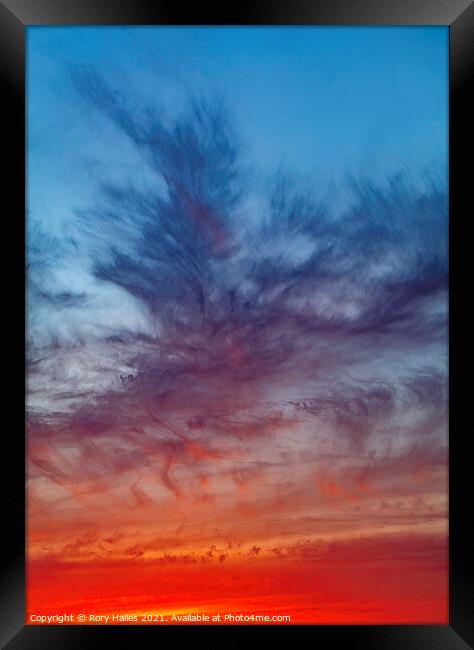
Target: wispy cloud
{"type": "Point", "coordinates": [285, 373]}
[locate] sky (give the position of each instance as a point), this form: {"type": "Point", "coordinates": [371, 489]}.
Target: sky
{"type": "Point", "coordinates": [237, 322]}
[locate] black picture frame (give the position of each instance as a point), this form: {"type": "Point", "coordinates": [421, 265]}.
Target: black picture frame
{"type": "Point", "coordinates": [15, 15]}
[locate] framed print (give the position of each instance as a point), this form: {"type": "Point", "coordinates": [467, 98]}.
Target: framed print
{"type": "Point", "coordinates": [246, 323]}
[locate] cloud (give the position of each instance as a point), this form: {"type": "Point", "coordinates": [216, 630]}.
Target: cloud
{"type": "Point", "coordinates": [286, 364]}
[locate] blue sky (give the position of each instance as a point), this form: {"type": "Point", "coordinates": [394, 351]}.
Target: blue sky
{"type": "Point", "coordinates": [321, 102]}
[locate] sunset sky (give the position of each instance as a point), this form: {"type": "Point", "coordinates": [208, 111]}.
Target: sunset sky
{"type": "Point", "coordinates": [237, 322]}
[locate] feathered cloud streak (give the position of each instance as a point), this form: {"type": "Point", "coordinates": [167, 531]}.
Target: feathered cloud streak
{"type": "Point", "coordinates": [287, 380]}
